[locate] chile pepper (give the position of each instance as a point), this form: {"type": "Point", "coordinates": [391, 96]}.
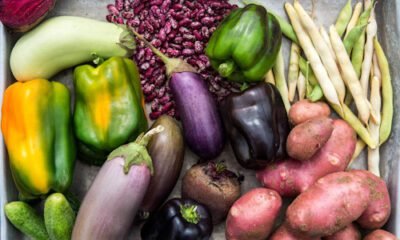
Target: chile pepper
{"type": "Point", "coordinates": [257, 124]}
{"type": "Point", "coordinates": [179, 219]}
{"type": "Point", "coordinates": [246, 44]}
{"type": "Point", "coordinates": [37, 129]}
{"type": "Point", "coordinates": [108, 108]}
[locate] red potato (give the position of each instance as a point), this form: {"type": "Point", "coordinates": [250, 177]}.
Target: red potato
{"type": "Point", "coordinates": [351, 232]}
{"type": "Point", "coordinates": [305, 110]}
{"type": "Point", "coordinates": [290, 178]}
{"type": "Point", "coordinates": [380, 235]}
{"type": "Point", "coordinates": [331, 204]}
{"type": "Point", "coordinates": [253, 215]}
{"type": "Point", "coordinates": [379, 208]}
{"type": "Point", "coordinates": [308, 137]}
{"type": "Point", "coordinates": [283, 233]}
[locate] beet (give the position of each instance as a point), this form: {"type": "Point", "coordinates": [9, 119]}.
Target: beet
{"type": "Point", "coordinates": [212, 185]}
{"type": "Point", "coordinates": [23, 15]}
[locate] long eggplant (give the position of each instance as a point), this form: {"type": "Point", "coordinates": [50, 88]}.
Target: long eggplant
{"type": "Point", "coordinates": [167, 152]}
{"type": "Point", "coordinates": [110, 205]}
{"type": "Point", "coordinates": [201, 122]}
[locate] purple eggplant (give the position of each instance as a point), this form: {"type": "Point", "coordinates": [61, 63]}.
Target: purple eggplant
{"type": "Point", "coordinates": [201, 122]}
{"type": "Point", "coordinates": [110, 205]}
{"type": "Point", "coordinates": [167, 152]}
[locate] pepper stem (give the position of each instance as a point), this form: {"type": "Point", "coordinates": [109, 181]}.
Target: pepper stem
{"type": "Point", "coordinates": [172, 65]}
{"type": "Point", "coordinates": [226, 68]}
{"type": "Point", "coordinates": [189, 213]}
{"type": "Point", "coordinates": [135, 153]}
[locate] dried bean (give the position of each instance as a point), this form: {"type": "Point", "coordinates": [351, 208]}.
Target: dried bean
{"type": "Point", "coordinates": [119, 4]}
{"type": "Point", "coordinates": [127, 15]}
{"type": "Point", "coordinates": [188, 44]}
{"type": "Point", "coordinates": [112, 9]}
{"type": "Point", "coordinates": [138, 9]}
{"type": "Point", "coordinates": [195, 25]}
{"type": "Point", "coordinates": [205, 32]}
{"type": "Point", "coordinates": [198, 47]}
{"type": "Point", "coordinates": [156, 2]}
{"type": "Point", "coordinates": [178, 40]}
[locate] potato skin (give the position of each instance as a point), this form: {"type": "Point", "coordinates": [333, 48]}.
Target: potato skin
{"type": "Point", "coordinates": [379, 207]}
{"type": "Point", "coordinates": [217, 195]}
{"type": "Point", "coordinates": [344, 193]}
{"type": "Point", "coordinates": [380, 235]}
{"type": "Point", "coordinates": [351, 232]}
{"type": "Point", "coordinates": [253, 215]}
{"type": "Point", "coordinates": [305, 110]}
{"type": "Point", "coordinates": [308, 137]}
{"type": "Point", "coordinates": [290, 177]}
{"type": "Point", "coordinates": [283, 233]}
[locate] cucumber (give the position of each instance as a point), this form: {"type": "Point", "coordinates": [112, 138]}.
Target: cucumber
{"type": "Point", "coordinates": [25, 219]}
{"type": "Point", "coordinates": [59, 217]}
{"type": "Point", "coordinates": [66, 41]}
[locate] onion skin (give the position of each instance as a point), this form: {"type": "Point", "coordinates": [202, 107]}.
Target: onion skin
{"type": "Point", "coordinates": [202, 125]}
{"type": "Point", "coordinates": [23, 15]}
{"type": "Point", "coordinates": [110, 205]}
{"type": "Point", "coordinates": [167, 151]}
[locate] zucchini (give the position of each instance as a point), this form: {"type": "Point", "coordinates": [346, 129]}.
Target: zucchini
{"type": "Point", "coordinates": [63, 42]}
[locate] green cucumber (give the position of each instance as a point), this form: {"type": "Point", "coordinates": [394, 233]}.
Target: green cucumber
{"type": "Point", "coordinates": [26, 219]}
{"type": "Point", "coordinates": [59, 217]}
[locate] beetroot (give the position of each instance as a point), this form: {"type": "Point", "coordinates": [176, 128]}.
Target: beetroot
{"type": "Point", "coordinates": [212, 185]}
{"type": "Point", "coordinates": [23, 15]}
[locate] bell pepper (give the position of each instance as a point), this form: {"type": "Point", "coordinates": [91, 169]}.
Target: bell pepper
{"type": "Point", "coordinates": [179, 219]}
{"type": "Point", "coordinates": [257, 125]}
{"type": "Point", "coordinates": [109, 108]}
{"type": "Point", "coordinates": [37, 129]}
{"type": "Point", "coordinates": [245, 45]}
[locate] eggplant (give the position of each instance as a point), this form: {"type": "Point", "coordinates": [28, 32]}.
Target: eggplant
{"type": "Point", "coordinates": [167, 152]}
{"type": "Point", "coordinates": [110, 205]}
{"type": "Point", "coordinates": [201, 122]}
{"type": "Point", "coordinates": [198, 111]}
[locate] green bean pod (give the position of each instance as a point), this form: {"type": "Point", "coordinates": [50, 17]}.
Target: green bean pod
{"type": "Point", "coordinates": [343, 18]}
{"type": "Point", "coordinates": [387, 94]}
{"type": "Point", "coordinates": [355, 123]}
{"type": "Point", "coordinates": [352, 38]}
{"type": "Point", "coordinates": [358, 50]}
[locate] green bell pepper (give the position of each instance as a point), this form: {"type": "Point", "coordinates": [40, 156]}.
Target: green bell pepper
{"type": "Point", "coordinates": [245, 45]}
{"type": "Point", "coordinates": [109, 108]}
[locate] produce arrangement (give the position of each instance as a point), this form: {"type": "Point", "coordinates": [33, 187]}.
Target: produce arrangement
{"type": "Point", "coordinates": [212, 74]}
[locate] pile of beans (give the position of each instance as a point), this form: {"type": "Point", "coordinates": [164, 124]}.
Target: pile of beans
{"type": "Point", "coordinates": [179, 28]}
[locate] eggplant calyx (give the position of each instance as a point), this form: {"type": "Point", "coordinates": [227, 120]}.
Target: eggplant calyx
{"type": "Point", "coordinates": [172, 65]}
{"type": "Point", "coordinates": [127, 40]}
{"type": "Point", "coordinates": [135, 153]}
{"type": "Point", "coordinates": [189, 213]}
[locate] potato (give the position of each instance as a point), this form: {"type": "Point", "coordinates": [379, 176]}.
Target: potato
{"type": "Point", "coordinates": [380, 235]}
{"type": "Point", "coordinates": [290, 177]}
{"type": "Point", "coordinates": [253, 215]}
{"type": "Point", "coordinates": [331, 204]}
{"type": "Point", "coordinates": [305, 110]}
{"type": "Point", "coordinates": [283, 233]}
{"type": "Point", "coordinates": [350, 232]}
{"type": "Point", "coordinates": [379, 208]}
{"type": "Point", "coordinates": [212, 185]}
{"type": "Point", "coordinates": [308, 137]}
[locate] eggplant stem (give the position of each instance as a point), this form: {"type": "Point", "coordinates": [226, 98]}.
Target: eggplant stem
{"type": "Point", "coordinates": [172, 65]}
{"type": "Point", "coordinates": [190, 214]}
